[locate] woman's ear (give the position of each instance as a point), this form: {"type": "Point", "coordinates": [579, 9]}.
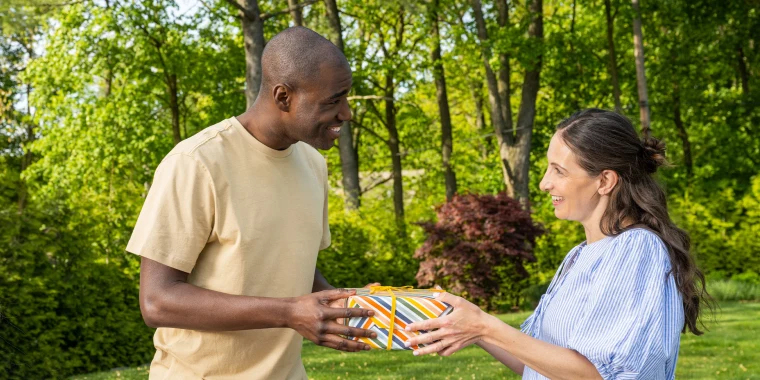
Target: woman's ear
{"type": "Point", "coordinates": [609, 179]}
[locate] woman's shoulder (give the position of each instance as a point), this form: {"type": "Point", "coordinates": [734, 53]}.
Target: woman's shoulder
{"type": "Point", "coordinates": [640, 245]}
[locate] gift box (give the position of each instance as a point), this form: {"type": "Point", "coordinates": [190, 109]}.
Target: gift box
{"type": "Point", "coordinates": [395, 308]}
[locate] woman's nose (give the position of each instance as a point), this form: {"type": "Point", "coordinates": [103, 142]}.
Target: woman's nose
{"type": "Point", "coordinates": [545, 184]}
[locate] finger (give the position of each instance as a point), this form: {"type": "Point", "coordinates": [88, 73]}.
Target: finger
{"type": "Point", "coordinates": [334, 328]}
{"type": "Point", "coordinates": [426, 325]}
{"type": "Point", "coordinates": [450, 350]}
{"type": "Point", "coordinates": [428, 338]}
{"type": "Point", "coordinates": [335, 313]}
{"type": "Point", "coordinates": [431, 349]}
{"type": "Point", "coordinates": [336, 294]}
{"type": "Point", "coordinates": [438, 287]}
{"type": "Point", "coordinates": [341, 344]}
{"type": "Point", "coordinates": [371, 285]}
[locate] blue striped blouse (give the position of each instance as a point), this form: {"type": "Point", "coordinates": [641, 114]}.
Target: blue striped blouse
{"type": "Point", "coordinates": [615, 302]}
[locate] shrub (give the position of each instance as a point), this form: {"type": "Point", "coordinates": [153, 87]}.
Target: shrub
{"type": "Point", "coordinates": [61, 312]}
{"type": "Point", "coordinates": [732, 290]}
{"type": "Point", "coordinates": [363, 253]}
{"type": "Point", "coordinates": [478, 248]}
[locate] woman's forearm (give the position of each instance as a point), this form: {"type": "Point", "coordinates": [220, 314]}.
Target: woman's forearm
{"type": "Point", "coordinates": [547, 359]}
{"type": "Point", "coordinates": [503, 356]}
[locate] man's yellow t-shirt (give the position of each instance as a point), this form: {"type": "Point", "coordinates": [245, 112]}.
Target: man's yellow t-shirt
{"type": "Point", "coordinates": [242, 219]}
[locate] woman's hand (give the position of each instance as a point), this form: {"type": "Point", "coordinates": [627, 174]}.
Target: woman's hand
{"type": "Point", "coordinates": [466, 325]}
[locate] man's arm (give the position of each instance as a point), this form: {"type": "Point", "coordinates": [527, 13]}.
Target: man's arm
{"type": "Point", "coordinates": [168, 300]}
{"type": "Point", "coordinates": [320, 282]}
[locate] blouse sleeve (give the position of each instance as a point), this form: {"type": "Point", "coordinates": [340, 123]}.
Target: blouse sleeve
{"type": "Point", "coordinates": [628, 320]}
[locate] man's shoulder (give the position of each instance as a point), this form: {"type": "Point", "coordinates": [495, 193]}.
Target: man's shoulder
{"type": "Point", "coordinates": [203, 141]}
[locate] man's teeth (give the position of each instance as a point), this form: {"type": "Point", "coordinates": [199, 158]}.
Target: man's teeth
{"type": "Point", "coordinates": [557, 199]}
{"type": "Point", "coordinates": [335, 129]}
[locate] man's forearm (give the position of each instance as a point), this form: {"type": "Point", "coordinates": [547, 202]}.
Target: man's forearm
{"type": "Point", "coordinates": [183, 305]}
{"type": "Point", "coordinates": [320, 282]}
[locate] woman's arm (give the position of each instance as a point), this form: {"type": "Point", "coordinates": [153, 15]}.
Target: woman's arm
{"type": "Point", "coordinates": [552, 361]}
{"type": "Point", "coordinates": [503, 356]}
{"type": "Point", "coordinates": [468, 324]}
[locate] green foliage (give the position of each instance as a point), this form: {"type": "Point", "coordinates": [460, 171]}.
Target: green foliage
{"type": "Point", "coordinates": [366, 249]}
{"type": "Point", "coordinates": [61, 313]}
{"type": "Point", "coordinates": [86, 115]}
{"type": "Point", "coordinates": [736, 289]}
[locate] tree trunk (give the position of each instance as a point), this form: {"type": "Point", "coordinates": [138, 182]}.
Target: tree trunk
{"type": "Point", "coordinates": [443, 107]}
{"type": "Point", "coordinates": [613, 58]}
{"type": "Point", "coordinates": [394, 145]}
{"type": "Point", "coordinates": [295, 12]}
{"type": "Point", "coordinates": [641, 79]}
{"type": "Point", "coordinates": [480, 118]}
{"type": "Point", "coordinates": [333, 16]}
{"type": "Point", "coordinates": [253, 39]}
{"type": "Point", "coordinates": [504, 70]}
{"type": "Point", "coordinates": [519, 152]}
{"type": "Point", "coordinates": [349, 156]}
{"type": "Point", "coordinates": [503, 135]}
{"type": "Point", "coordinates": [682, 133]}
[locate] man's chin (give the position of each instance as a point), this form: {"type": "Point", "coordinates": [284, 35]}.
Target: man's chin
{"type": "Point", "coordinates": [321, 145]}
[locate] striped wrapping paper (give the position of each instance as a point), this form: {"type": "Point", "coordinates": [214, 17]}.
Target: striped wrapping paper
{"type": "Point", "coordinates": [411, 305]}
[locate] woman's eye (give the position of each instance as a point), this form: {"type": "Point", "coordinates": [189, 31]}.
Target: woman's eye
{"type": "Point", "coordinates": [557, 170]}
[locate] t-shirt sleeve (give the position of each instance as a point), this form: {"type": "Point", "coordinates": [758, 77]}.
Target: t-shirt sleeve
{"type": "Point", "coordinates": [625, 323]}
{"type": "Point", "coordinates": [178, 214]}
{"type": "Point", "coordinates": [326, 238]}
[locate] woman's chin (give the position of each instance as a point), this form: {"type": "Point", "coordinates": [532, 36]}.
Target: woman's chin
{"type": "Point", "coordinates": [560, 215]}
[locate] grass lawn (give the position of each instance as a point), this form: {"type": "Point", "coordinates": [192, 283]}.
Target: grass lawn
{"type": "Point", "coordinates": [730, 350]}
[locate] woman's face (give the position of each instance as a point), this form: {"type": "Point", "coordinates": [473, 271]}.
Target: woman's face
{"type": "Point", "coordinates": [574, 193]}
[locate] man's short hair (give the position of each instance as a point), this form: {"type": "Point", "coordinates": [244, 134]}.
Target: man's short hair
{"type": "Point", "coordinates": [295, 56]}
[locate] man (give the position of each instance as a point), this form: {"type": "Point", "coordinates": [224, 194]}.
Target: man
{"type": "Point", "coordinates": [229, 233]}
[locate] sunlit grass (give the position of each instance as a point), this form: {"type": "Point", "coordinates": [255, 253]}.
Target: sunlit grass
{"type": "Point", "coordinates": [729, 350]}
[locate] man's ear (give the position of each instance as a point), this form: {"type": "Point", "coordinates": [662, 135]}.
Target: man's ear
{"type": "Point", "coordinates": [609, 179]}
{"type": "Point", "coordinates": [283, 96]}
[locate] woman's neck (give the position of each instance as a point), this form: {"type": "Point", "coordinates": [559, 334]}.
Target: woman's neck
{"type": "Point", "coordinates": [592, 225]}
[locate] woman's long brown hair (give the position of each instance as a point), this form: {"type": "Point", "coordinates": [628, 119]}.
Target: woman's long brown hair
{"type": "Point", "coordinates": [605, 140]}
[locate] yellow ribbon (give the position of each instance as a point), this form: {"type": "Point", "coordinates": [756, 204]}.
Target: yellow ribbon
{"type": "Point", "coordinates": [375, 288]}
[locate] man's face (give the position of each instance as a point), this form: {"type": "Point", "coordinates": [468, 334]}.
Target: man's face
{"type": "Point", "coordinates": [320, 107]}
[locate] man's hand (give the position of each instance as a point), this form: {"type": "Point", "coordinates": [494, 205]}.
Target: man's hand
{"type": "Point", "coordinates": [313, 318]}
{"type": "Point", "coordinates": [341, 303]}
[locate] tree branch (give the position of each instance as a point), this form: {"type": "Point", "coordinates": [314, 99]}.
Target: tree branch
{"type": "Point", "coordinates": [376, 184]}
{"type": "Point", "coordinates": [373, 133]}
{"type": "Point", "coordinates": [247, 14]}
{"type": "Point", "coordinates": [215, 13]}
{"type": "Point", "coordinates": [266, 16]}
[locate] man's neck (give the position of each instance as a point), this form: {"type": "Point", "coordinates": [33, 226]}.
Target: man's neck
{"type": "Point", "coordinates": [258, 121]}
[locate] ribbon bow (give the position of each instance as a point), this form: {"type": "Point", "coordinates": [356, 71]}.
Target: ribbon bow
{"type": "Point", "coordinates": [390, 289]}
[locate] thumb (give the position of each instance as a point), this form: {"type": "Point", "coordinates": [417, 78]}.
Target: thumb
{"type": "Point", "coordinates": [446, 297]}
{"type": "Point", "coordinates": [372, 284]}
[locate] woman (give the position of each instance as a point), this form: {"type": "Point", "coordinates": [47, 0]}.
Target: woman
{"type": "Point", "coordinates": [618, 303]}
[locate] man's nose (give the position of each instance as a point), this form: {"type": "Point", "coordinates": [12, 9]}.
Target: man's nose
{"type": "Point", "coordinates": [345, 111]}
